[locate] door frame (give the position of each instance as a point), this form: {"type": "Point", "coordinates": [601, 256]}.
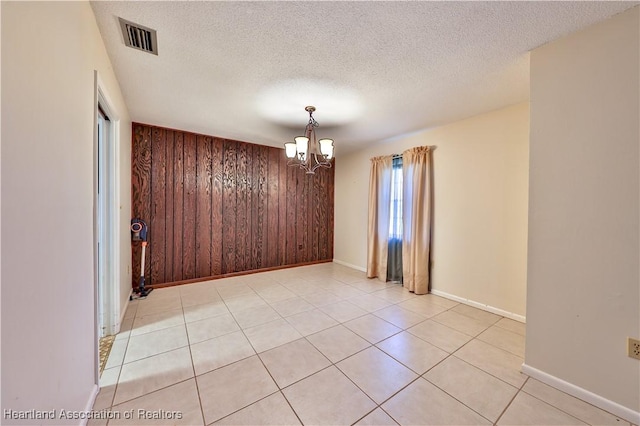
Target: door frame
{"type": "Point", "coordinates": [106, 220]}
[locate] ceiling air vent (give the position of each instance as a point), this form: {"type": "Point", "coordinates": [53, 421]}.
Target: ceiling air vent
{"type": "Point", "coordinates": [139, 37]}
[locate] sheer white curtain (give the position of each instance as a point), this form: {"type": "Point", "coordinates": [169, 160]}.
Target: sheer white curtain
{"type": "Point", "coordinates": [416, 218]}
{"type": "Point", "coordinates": [379, 216]}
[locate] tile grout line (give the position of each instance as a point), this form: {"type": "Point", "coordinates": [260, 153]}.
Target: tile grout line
{"type": "Point", "coordinates": [511, 401]}
{"type": "Point", "coordinates": [563, 411]}
{"type": "Point", "coordinates": [193, 366]}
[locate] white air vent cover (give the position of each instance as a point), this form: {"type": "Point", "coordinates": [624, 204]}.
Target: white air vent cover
{"type": "Point", "coordinates": [139, 37]}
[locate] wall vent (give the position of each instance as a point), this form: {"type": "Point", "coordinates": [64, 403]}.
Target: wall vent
{"type": "Point", "coordinates": [139, 37]}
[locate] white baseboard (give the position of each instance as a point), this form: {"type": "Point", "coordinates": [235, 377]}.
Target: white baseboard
{"type": "Point", "coordinates": [90, 402]}
{"type": "Point", "coordinates": [482, 306]}
{"type": "Point", "coordinates": [349, 265]}
{"type": "Point", "coordinates": [583, 394]}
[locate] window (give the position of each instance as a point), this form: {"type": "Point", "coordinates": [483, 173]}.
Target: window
{"type": "Point", "coordinates": [395, 222]}
{"type": "Point", "coordinates": [394, 259]}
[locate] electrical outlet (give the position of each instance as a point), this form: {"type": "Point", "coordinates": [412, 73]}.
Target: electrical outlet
{"type": "Point", "coordinates": [633, 348]}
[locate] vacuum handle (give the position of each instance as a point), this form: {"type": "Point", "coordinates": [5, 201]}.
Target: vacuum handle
{"type": "Point", "coordinates": [144, 247]}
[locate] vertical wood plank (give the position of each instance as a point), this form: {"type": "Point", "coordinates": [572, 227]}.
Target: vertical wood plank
{"type": "Point", "coordinates": [252, 215]}
{"type": "Point", "coordinates": [262, 210]}
{"type": "Point", "coordinates": [157, 241]}
{"type": "Point", "coordinates": [217, 149]}
{"type": "Point", "coordinates": [178, 205]}
{"type": "Point", "coordinates": [330, 203]}
{"type": "Point", "coordinates": [282, 214]}
{"type": "Point", "coordinates": [241, 207]}
{"type": "Point", "coordinates": [140, 189]}
{"type": "Point", "coordinates": [312, 227]}
{"type": "Point", "coordinates": [301, 215]}
{"type": "Point", "coordinates": [249, 261]}
{"type": "Point", "coordinates": [291, 215]}
{"type": "Point", "coordinates": [169, 192]}
{"type": "Point", "coordinates": [273, 171]}
{"type": "Point", "coordinates": [203, 206]}
{"type": "Point", "coordinates": [323, 247]}
{"type": "Point", "coordinates": [229, 207]}
{"type": "Point", "coordinates": [189, 217]}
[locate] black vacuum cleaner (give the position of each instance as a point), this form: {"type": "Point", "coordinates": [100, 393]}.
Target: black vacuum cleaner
{"type": "Point", "coordinates": [139, 232]}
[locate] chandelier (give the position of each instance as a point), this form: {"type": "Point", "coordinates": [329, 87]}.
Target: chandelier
{"type": "Point", "coordinates": [307, 152]}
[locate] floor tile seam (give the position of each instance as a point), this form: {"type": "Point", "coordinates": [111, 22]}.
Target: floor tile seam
{"type": "Point", "coordinates": [564, 411]}
{"type": "Point", "coordinates": [215, 337]}
{"type": "Point", "coordinates": [481, 310]}
{"type": "Point", "coordinates": [153, 331]}
{"type": "Point", "coordinates": [461, 402]}
{"type": "Point", "coordinates": [245, 336]}
{"type": "Point", "coordinates": [115, 388]}
{"type": "Point", "coordinates": [377, 341]}
{"type": "Point", "coordinates": [371, 313]}
{"type": "Point", "coordinates": [342, 359]}
{"type": "Point", "coordinates": [137, 317]}
{"type": "Point", "coordinates": [482, 369]}
{"type": "Point", "coordinates": [250, 404]}
{"type": "Point", "coordinates": [154, 311]}
{"type": "Point", "coordinates": [433, 344]}
{"type": "Point", "coordinates": [269, 305]}
{"type": "Point", "coordinates": [417, 372]}
{"type": "Point", "coordinates": [389, 414]}
{"type": "Point", "coordinates": [155, 354]}
{"type": "Point", "coordinates": [314, 332]}
{"type": "Point", "coordinates": [353, 382]}
{"type": "Point", "coordinates": [223, 366]}
{"type": "Point", "coordinates": [394, 394]}
{"type": "Point", "coordinates": [124, 356]}
{"type": "Point", "coordinates": [193, 367]}
{"type": "Point", "coordinates": [368, 413]}
{"type": "Point", "coordinates": [153, 391]}
{"type": "Point", "coordinates": [511, 401]}
{"type": "Point", "coordinates": [200, 303]}
{"type": "Point", "coordinates": [351, 319]}
{"type": "Point", "coordinates": [297, 381]}
{"type": "Point", "coordinates": [490, 374]}
{"type": "Point", "coordinates": [206, 318]}
{"type": "Point", "coordinates": [495, 346]}
{"type": "Point", "coordinates": [400, 326]}
{"type": "Point", "coordinates": [362, 390]}
{"type": "Point", "coordinates": [281, 388]}
{"type": "Point", "coordinates": [504, 328]}
{"type": "Point", "coordinates": [460, 331]}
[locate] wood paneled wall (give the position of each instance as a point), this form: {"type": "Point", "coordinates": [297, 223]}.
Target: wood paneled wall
{"type": "Point", "coordinates": [216, 206]}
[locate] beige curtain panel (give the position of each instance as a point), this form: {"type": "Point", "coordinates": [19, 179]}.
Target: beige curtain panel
{"type": "Point", "coordinates": [416, 218]}
{"type": "Point", "coordinates": [378, 223]}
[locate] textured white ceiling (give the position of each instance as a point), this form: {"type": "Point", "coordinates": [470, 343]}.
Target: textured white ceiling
{"type": "Point", "coordinates": [374, 70]}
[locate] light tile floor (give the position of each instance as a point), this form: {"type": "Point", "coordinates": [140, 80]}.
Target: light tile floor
{"type": "Point", "coordinates": [322, 344]}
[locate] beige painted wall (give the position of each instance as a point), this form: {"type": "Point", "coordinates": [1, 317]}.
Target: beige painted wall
{"type": "Point", "coordinates": [480, 207]}
{"type": "Point", "coordinates": [583, 295]}
{"type": "Point", "coordinates": [49, 53]}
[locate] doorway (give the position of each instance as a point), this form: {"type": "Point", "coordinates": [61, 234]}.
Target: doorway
{"type": "Point", "coordinates": [106, 220]}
